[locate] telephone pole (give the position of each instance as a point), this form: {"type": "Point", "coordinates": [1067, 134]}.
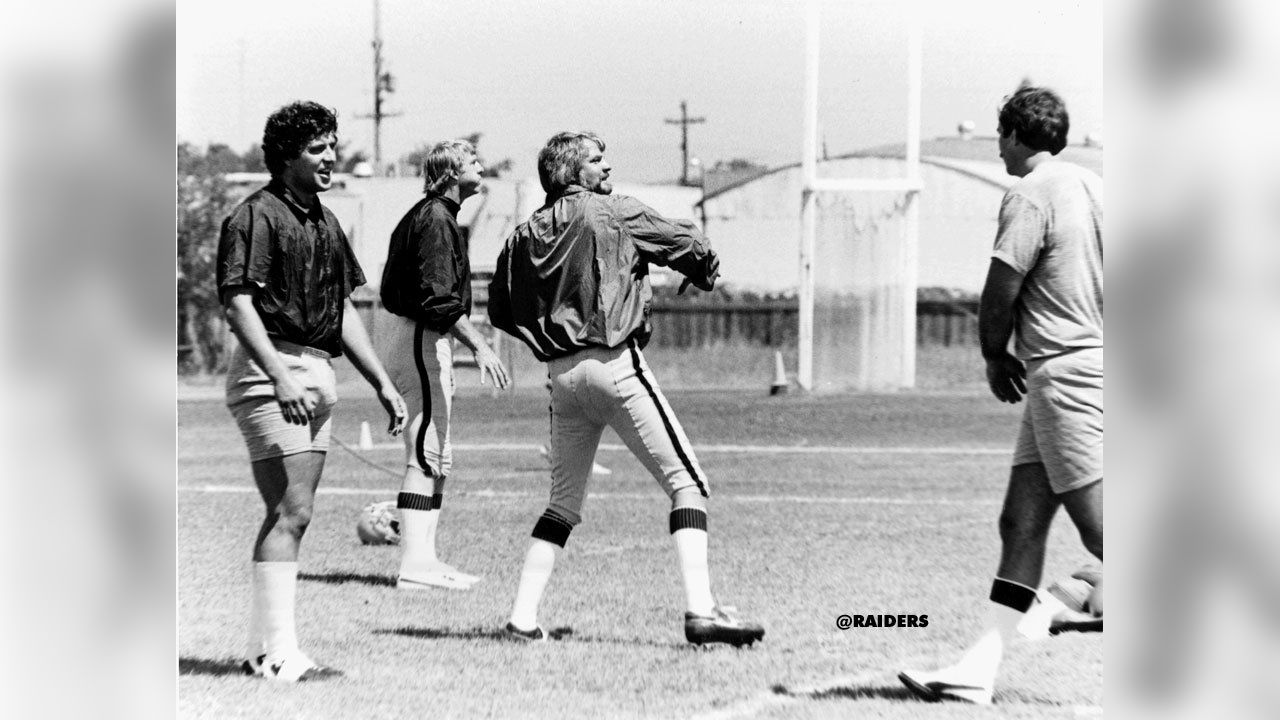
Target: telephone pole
{"type": "Point", "coordinates": [383, 82]}
{"type": "Point", "coordinates": [684, 122]}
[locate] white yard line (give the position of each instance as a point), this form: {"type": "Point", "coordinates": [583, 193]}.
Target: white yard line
{"type": "Point", "coordinates": [754, 449]}
{"type": "Point", "coordinates": [541, 492]}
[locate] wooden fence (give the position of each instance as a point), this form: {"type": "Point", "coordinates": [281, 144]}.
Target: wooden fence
{"type": "Point", "coordinates": [775, 323]}
{"type": "Point", "coordinates": [771, 322]}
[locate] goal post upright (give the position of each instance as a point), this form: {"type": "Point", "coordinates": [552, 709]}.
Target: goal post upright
{"type": "Point", "coordinates": [910, 254]}
{"type": "Point", "coordinates": [910, 185]}
{"type": "Point", "coordinates": [808, 197]}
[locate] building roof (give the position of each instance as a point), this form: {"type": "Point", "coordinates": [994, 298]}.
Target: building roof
{"type": "Point", "coordinates": [979, 149]}
{"type": "Point", "coordinates": [977, 157]}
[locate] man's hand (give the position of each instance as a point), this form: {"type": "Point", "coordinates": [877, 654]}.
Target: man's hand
{"type": "Point", "coordinates": [489, 364]}
{"type": "Point", "coordinates": [296, 404]}
{"type": "Point", "coordinates": [395, 407]}
{"type": "Point", "coordinates": [713, 274]}
{"type": "Point", "coordinates": [1007, 377]}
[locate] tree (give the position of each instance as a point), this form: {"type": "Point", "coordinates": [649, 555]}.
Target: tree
{"type": "Point", "coordinates": [202, 203]}
{"type": "Point", "coordinates": [730, 172]}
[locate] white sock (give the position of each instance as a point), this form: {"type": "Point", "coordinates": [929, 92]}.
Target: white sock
{"type": "Point", "coordinates": [982, 660]}
{"type": "Point", "coordinates": [691, 549]}
{"type": "Point", "coordinates": [275, 586]}
{"type": "Point", "coordinates": [418, 538]}
{"type": "Point", "coordinates": [256, 640]}
{"type": "Point", "coordinates": [538, 564]}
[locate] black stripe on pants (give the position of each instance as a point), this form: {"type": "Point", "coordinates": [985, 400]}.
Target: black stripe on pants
{"type": "Point", "coordinates": [425, 380]}
{"type": "Point", "coordinates": [666, 421]}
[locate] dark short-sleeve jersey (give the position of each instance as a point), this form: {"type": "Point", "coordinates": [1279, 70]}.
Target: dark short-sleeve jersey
{"type": "Point", "coordinates": [298, 261]}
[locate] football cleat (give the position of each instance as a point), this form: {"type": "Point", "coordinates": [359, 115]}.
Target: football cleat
{"type": "Point", "coordinates": [720, 627]}
{"type": "Point", "coordinates": [933, 687]}
{"type": "Point", "coordinates": [439, 577]}
{"type": "Point", "coordinates": [253, 666]}
{"type": "Point", "coordinates": [296, 668]}
{"type": "Point", "coordinates": [1068, 620]}
{"type": "Point", "coordinates": [536, 635]}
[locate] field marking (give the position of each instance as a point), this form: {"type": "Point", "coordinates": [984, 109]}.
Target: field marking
{"type": "Point", "coordinates": [513, 494]}
{"type": "Point", "coordinates": [758, 449]}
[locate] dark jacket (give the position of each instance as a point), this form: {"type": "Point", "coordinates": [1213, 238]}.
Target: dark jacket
{"type": "Point", "coordinates": [427, 277]}
{"type": "Point", "coordinates": [576, 274]}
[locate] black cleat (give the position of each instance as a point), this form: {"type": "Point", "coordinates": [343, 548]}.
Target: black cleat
{"type": "Point", "coordinates": [720, 627]}
{"type": "Point", "coordinates": [297, 668]}
{"type": "Point", "coordinates": [931, 687]}
{"type": "Point", "coordinates": [536, 635]}
{"type": "Point", "coordinates": [1068, 620]}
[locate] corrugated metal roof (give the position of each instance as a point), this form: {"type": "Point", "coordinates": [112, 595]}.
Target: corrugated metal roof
{"type": "Point", "coordinates": [370, 208]}
{"type": "Point", "coordinates": [978, 157]}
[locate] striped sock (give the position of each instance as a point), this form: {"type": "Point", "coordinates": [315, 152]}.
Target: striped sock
{"type": "Point", "coordinates": [418, 522]}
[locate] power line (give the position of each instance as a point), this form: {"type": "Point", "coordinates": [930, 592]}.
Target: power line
{"type": "Point", "coordinates": [383, 82]}
{"type": "Point", "coordinates": [684, 122]}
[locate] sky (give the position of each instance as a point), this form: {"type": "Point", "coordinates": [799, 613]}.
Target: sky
{"type": "Point", "coordinates": [519, 72]}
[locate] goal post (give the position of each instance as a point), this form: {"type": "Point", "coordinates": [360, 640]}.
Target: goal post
{"type": "Point", "coordinates": [867, 339]}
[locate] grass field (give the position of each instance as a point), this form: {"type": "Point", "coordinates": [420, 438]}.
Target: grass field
{"type": "Point", "coordinates": [876, 504]}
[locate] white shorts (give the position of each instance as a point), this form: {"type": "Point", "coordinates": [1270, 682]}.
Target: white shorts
{"type": "Point", "coordinates": [1062, 421]}
{"type": "Point", "coordinates": [613, 387]}
{"type": "Point", "coordinates": [251, 398]}
{"type": "Point", "coordinates": [420, 363]}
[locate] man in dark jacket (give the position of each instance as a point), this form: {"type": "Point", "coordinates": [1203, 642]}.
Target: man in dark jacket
{"type": "Point", "coordinates": [572, 283]}
{"type": "Point", "coordinates": [426, 285]}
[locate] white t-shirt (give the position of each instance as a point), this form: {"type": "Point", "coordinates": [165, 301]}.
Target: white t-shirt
{"type": "Point", "coordinates": [1051, 231]}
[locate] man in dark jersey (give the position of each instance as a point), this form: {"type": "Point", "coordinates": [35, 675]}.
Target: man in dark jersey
{"type": "Point", "coordinates": [426, 285]}
{"type": "Point", "coordinates": [285, 274]}
{"type": "Point", "coordinates": [573, 283]}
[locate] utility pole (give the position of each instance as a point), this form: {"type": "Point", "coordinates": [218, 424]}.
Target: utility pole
{"type": "Point", "coordinates": [684, 122]}
{"type": "Point", "coordinates": [383, 82]}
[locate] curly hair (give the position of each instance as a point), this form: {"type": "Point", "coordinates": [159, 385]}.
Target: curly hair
{"type": "Point", "coordinates": [562, 158]}
{"type": "Point", "coordinates": [291, 128]}
{"type": "Point", "coordinates": [1039, 116]}
{"type": "Point", "coordinates": [444, 163]}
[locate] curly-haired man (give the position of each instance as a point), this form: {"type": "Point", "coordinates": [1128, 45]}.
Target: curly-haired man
{"type": "Point", "coordinates": [285, 274]}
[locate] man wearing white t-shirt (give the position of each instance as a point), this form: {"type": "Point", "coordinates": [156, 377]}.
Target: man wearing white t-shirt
{"type": "Point", "coordinates": [1045, 283]}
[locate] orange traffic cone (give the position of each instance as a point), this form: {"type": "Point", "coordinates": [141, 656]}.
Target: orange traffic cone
{"type": "Point", "coordinates": [779, 385]}
{"type": "Point", "coordinates": [366, 437]}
